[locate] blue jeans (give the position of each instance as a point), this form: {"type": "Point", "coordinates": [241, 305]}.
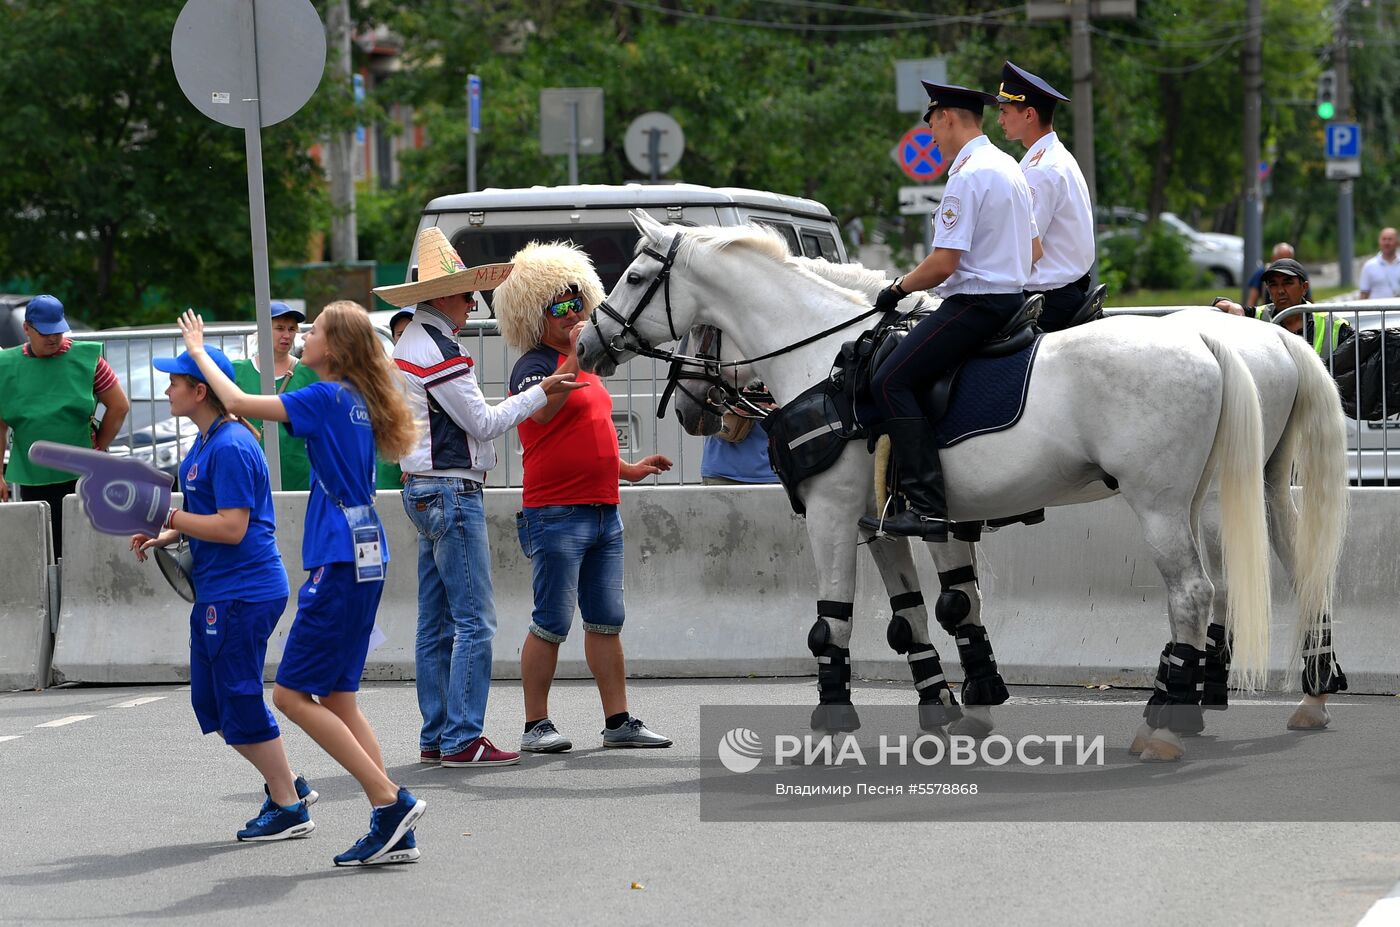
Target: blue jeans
{"type": "Point", "coordinates": [456, 612]}
{"type": "Point", "coordinates": [576, 556]}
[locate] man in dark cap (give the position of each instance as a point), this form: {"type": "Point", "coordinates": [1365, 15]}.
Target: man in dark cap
{"type": "Point", "coordinates": [984, 244]}
{"type": "Point", "coordinates": [1286, 283]}
{"type": "Point", "coordinates": [1059, 195]}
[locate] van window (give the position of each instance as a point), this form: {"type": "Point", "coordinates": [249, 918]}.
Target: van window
{"type": "Point", "coordinates": [610, 247]}
{"type": "Point", "coordinates": [819, 245]}
{"type": "Point", "coordinates": [783, 229]}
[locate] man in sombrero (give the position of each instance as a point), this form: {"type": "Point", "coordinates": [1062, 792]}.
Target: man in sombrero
{"type": "Point", "coordinates": [442, 496]}
{"type": "Point", "coordinates": [569, 526]}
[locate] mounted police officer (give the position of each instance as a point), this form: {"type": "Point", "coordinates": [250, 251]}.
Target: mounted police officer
{"type": "Point", "coordinates": [1059, 195]}
{"type": "Point", "coordinates": [984, 243]}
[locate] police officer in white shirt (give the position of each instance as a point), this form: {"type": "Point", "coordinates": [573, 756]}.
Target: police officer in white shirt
{"type": "Point", "coordinates": [1059, 195]}
{"type": "Point", "coordinates": [1380, 276]}
{"type": "Point", "coordinates": [984, 244]}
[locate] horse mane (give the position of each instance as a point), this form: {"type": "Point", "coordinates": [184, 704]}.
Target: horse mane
{"type": "Point", "coordinates": [698, 242]}
{"type": "Point", "coordinates": [856, 277]}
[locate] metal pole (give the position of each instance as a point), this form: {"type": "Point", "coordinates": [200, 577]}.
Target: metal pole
{"type": "Point", "coordinates": [1082, 67]}
{"type": "Point", "coordinates": [654, 153]}
{"type": "Point", "coordinates": [344, 247]}
{"type": "Point", "coordinates": [573, 141]}
{"type": "Point", "coordinates": [257, 216]}
{"type": "Point", "coordinates": [471, 145]}
{"type": "Point", "coordinates": [1346, 219]}
{"type": "Point", "coordinates": [1253, 99]}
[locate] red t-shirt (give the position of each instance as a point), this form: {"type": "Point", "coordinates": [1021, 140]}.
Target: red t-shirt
{"type": "Point", "coordinates": [573, 459]}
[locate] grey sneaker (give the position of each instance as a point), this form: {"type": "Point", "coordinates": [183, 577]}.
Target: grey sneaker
{"type": "Point", "coordinates": [634, 733]}
{"type": "Point", "coordinates": [545, 738]}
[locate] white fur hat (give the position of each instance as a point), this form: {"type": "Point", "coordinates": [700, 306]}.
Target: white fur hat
{"type": "Point", "coordinates": [541, 273]}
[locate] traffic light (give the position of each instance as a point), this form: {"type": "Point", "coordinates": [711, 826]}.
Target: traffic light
{"type": "Point", "coordinates": [1327, 94]}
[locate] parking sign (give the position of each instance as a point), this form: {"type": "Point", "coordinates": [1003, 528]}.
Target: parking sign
{"type": "Point", "coordinates": [1343, 140]}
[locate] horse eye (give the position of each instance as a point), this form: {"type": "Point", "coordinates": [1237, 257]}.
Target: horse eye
{"type": "Point", "coordinates": [634, 278]}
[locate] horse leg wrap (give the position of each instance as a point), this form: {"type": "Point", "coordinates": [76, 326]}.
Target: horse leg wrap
{"type": "Point", "coordinates": [982, 684]}
{"type": "Point", "coordinates": [1176, 700]}
{"type": "Point", "coordinates": [834, 712]}
{"type": "Point", "coordinates": [938, 706]}
{"type": "Point", "coordinates": [900, 634]}
{"type": "Point", "coordinates": [1216, 694]}
{"type": "Point", "coordinates": [1322, 674]}
{"type": "Point", "coordinates": [953, 605]}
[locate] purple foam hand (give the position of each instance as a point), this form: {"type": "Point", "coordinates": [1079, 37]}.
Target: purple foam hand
{"type": "Point", "coordinates": [120, 495]}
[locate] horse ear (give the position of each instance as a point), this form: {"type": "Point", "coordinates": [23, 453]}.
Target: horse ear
{"type": "Point", "coordinates": [645, 223]}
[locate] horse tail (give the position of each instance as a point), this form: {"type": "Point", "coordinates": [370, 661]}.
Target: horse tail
{"type": "Point", "coordinates": [1239, 451]}
{"type": "Point", "coordinates": [1315, 443]}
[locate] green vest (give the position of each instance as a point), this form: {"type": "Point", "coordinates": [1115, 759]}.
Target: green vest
{"type": "Point", "coordinates": [387, 474]}
{"type": "Point", "coordinates": [47, 399]}
{"type": "Point", "coordinates": [296, 468]}
{"type": "Point", "coordinates": [1325, 339]}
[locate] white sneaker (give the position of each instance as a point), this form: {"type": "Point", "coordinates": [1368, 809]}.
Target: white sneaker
{"type": "Point", "coordinates": [545, 738]}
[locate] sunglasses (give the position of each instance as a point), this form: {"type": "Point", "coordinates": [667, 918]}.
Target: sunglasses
{"type": "Point", "coordinates": [564, 307]}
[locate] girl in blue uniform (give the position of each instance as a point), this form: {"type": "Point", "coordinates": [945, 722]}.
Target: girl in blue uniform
{"type": "Point", "coordinates": [357, 405]}
{"type": "Point", "coordinates": [241, 588]}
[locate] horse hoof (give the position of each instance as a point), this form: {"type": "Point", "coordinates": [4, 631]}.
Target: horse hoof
{"type": "Point", "coordinates": [934, 717]}
{"type": "Point", "coordinates": [1309, 718]}
{"type": "Point", "coordinates": [1162, 747]}
{"type": "Point", "coordinates": [835, 719]}
{"type": "Point", "coordinates": [1144, 733]}
{"type": "Point", "coordinates": [976, 722]}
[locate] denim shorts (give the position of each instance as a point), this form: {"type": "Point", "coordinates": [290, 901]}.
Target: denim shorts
{"type": "Point", "coordinates": [576, 555]}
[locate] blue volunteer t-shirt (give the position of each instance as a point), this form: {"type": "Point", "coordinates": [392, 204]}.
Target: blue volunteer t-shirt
{"type": "Point", "coordinates": [226, 469]}
{"type": "Point", "coordinates": [746, 462]}
{"type": "Point", "coordinates": [340, 445]}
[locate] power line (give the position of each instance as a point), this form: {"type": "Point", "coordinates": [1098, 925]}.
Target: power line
{"type": "Point", "coordinates": [982, 19]}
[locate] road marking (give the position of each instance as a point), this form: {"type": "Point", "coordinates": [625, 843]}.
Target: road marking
{"type": "Point", "coordinates": [144, 700]}
{"type": "Point", "coordinates": [1383, 912]}
{"type": "Point", "coordinates": [10, 737]}
{"type": "Point", "coordinates": [62, 721]}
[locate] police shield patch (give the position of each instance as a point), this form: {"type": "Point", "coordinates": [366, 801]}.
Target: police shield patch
{"type": "Point", "coordinates": [949, 211]}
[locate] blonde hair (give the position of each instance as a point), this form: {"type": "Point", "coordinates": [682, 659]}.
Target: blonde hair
{"type": "Point", "coordinates": [541, 273]}
{"type": "Point", "coordinates": [355, 356]}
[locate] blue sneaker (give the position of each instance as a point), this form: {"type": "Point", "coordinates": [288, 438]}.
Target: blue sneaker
{"type": "Point", "coordinates": [387, 826]}
{"type": "Point", "coordinates": [304, 792]}
{"type": "Point", "coordinates": [405, 851]}
{"type": "Point", "coordinates": [280, 824]}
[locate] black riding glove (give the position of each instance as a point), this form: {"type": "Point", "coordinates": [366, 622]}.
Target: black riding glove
{"type": "Point", "coordinates": [890, 296]}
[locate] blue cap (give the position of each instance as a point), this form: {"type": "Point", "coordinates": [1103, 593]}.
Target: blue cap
{"type": "Point", "coordinates": [45, 315]}
{"type": "Point", "coordinates": [280, 308]}
{"type": "Point", "coordinates": [186, 365]}
{"type": "Point", "coordinates": [1021, 86]}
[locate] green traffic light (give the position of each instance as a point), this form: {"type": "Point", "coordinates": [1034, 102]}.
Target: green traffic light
{"type": "Point", "coordinates": [1326, 110]}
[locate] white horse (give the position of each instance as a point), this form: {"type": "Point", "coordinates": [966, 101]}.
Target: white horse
{"type": "Point", "coordinates": [1153, 409]}
{"type": "Point", "coordinates": [1304, 438]}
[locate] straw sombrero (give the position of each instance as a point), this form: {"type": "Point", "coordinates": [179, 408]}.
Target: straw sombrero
{"type": "Point", "coordinates": [442, 273]}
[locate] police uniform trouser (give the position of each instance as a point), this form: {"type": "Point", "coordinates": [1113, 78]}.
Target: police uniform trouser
{"type": "Point", "coordinates": [942, 340]}
{"type": "Point", "coordinates": [1061, 304]}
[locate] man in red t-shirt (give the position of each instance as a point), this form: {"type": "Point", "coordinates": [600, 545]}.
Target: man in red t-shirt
{"type": "Point", "coordinates": [569, 525]}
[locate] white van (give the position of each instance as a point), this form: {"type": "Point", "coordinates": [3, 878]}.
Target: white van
{"type": "Point", "coordinates": [493, 225]}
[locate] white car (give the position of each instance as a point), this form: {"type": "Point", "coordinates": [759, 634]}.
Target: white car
{"type": "Point", "coordinates": [1219, 255]}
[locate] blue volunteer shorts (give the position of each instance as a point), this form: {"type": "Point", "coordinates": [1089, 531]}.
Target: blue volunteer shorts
{"type": "Point", "coordinates": [228, 645]}
{"type": "Point", "coordinates": [329, 640]}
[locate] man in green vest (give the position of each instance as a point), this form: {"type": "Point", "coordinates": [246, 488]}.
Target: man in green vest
{"type": "Point", "coordinates": [49, 390]}
{"type": "Point", "coordinates": [288, 375]}
{"type": "Point", "coordinates": [1286, 283]}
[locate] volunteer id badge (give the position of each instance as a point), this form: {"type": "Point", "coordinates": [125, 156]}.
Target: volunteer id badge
{"type": "Point", "coordinates": [364, 531]}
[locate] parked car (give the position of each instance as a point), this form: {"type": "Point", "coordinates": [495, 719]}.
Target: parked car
{"type": "Point", "coordinates": [490, 226]}
{"type": "Point", "coordinates": [1219, 255]}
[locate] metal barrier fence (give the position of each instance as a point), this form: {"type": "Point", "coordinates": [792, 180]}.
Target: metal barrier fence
{"type": "Point", "coordinates": [152, 434]}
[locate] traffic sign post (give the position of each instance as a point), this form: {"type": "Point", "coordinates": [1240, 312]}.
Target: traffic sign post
{"type": "Point", "coordinates": [654, 143]}
{"type": "Point", "coordinates": [473, 127]}
{"type": "Point", "coordinates": [920, 201]}
{"type": "Point", "coordinates": [918, 156]}
{"type": "Point", "coordinates": [1343, 140]}
{"type": "Point", "coordinates": [247, 65]}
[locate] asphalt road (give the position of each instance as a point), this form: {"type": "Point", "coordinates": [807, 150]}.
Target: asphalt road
{"type": "Point", "coordinates": [126, 814]}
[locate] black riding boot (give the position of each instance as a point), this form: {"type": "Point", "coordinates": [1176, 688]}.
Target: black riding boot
{"type": "Point", "coordinates": [920, 480]}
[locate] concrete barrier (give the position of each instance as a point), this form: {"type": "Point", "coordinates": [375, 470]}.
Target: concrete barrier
{"type": "Point", "coordinates": [26, 635]}
{"type": "Point", "coordinates": [720, 582]}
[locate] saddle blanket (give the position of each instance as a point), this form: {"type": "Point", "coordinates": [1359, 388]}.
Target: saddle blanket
{"type": "Point", "coordinates": [989, 395]}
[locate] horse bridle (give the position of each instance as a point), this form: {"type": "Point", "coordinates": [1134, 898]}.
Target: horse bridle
{"type": "Point", "coordinates": [720, 395]}
{"type": "Point", "coordinates": [641, 347]}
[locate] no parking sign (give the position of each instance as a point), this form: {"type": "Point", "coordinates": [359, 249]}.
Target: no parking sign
{"type": "Point", "coordinates": [918, 156]}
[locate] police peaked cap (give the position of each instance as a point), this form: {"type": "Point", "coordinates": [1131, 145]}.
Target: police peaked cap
{"type": "Point", "coordinates": [1021, 86]}
{"type": "Point", "coordinates": [955, 96]}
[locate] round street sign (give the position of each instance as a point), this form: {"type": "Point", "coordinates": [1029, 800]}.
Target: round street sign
{"type": "Point", "coordinates": [670, 143]}
{"type": "Point", "coordinates": [918, 156]}
{"type": "Point", "coordinates": [221, 73]}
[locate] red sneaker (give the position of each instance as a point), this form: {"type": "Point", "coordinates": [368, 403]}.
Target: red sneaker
{"type": "Point", "coordinates": [430, 757]}
{"type": "Point", "coordinates": [481, 752]}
